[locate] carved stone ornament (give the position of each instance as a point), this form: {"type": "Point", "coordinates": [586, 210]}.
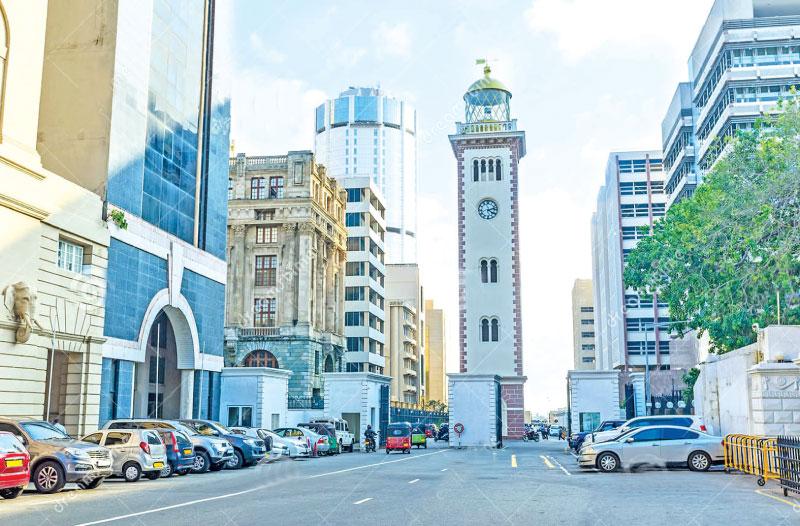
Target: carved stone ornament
{"type": "Point", "coordinates": [20, 301]}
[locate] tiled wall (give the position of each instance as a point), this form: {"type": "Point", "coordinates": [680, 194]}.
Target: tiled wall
{"type": "Point", "coordinates": [207, 300]}
{"type": "Point", "coordinates": [116, 401]}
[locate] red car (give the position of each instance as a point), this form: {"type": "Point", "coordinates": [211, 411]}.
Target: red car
{"type": "Point", "coordinates": [14, 466]}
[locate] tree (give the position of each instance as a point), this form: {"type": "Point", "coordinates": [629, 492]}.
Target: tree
{"type": "Point", "coordinates": [729, 256]}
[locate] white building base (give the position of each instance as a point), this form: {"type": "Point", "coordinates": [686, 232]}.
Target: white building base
{"type": "Point", "coordinates": [474, 402]}
{"type": "Point", "coordinates": [356, 398]}
{"type": "Point", "coordinates": [263, 389]}
{"type": "Point", "coordinates": [593, 397]}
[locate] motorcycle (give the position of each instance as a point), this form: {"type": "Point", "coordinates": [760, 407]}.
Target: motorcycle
{"type": "Point", "coordinates": [369, 445]}
{"type": "Point", "coordinates": [530, 434]}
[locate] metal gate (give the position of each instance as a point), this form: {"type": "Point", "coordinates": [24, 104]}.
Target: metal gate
{"type": "Point", "coordinates": [383, 416]}
{"type": "Point", "coordinates": [499, 413]}
{"type": "Point", "coordinates": [789, 464]}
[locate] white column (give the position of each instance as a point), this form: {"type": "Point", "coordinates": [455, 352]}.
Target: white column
{"type": "Point", "coordinates": [187, 392]}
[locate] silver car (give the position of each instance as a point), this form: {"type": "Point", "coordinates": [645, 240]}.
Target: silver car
{"type": "Point", "coordinates": [691, 421]}
{"type": "Point", "coordinates": [57, 458]}
{"type": "Point", "coordinates": [279, 446]}
{"type": "Point", "coordinates": [661, 446]}
{"type": "Point", "coordinates": [134, 452]}
{"type": "Point", "coordinates": [298, 437]}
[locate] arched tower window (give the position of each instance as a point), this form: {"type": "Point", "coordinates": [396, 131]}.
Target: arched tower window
{"type": "Point", "coordinates": [483, 166]}
{"type": "Point", "coordinates": [495, 329]}
{"type": "Point", "coordinates": [491, 165]}
{"type": "Point", "coordinates": [484, 271]}
{"type": "Point", "coordinates": [261, 358]}
{"type": "Point", "coordinates": [493, 271]}
{"type": "Point", "coordinates": [497, 170]}
{"type": "Point", "coordinates": [475, 175]}
{"type": "Point", "coordinates": [484, 330]}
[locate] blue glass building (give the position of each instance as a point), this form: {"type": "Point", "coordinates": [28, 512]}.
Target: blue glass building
{"type": "Point", "coordinates": [157, 125]}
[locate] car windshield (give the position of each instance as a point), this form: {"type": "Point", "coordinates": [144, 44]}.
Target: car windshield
{"type": "Point", "coordinates": [398, 431]}
{"type": "Point", "coordinates": [207, 429]}
{"type": "Point", "coordinates": [43, 431]}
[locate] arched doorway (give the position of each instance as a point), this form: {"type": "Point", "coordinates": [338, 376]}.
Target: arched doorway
{"type": "Point", "coordinates": [328, 364]}
{"type": "Point", "coordinates": [261, 358]}
{"type": "Point", "coordinates": [157, 389]}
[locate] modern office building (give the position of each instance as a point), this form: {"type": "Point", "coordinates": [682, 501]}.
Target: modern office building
{"type": "Point", "coordinates": [628, 204]}
{"type": "Point", "coordinates": [53, 253]}
{"type": "Point", "coordinates": [131, 109]}
{"type": "Point", "coordinates": [286, 261]}
{"type": "Point", "coordinates": [435, 355]}
{"type": "Point", "coordinates": [743, 62]}
{"type": "Point", "coordinates": [583, 336]}
{"type": "Point", "coordinates": [365, 303]}
{"type": "Point", "coordinates": [678, 145]}
{"type": "Point", "coordinates": [488, 147]}
{"type": "Point", "coordinates": [366, 133]}
{"type": "Point", "coordinates": [405, 327]}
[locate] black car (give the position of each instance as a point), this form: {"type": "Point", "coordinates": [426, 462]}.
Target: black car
{"type": "Point", "coordinates": [576, 440]}
{"type": "Point", "coordinates": [247, 451]}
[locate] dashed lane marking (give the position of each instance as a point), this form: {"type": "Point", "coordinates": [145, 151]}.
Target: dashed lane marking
{"type": "Point", "coordinates": [444, 469]}
{"type": "Point", "coordinates": [562, 468]}
{"type": "Point", "coordinates": [362, 501]}
{"type": "Point", "coordinates": [547, 462]}
{"type": "Point", "coordinates": [513, 461]}
{"type": "Point", "coordinates": [413, 481]}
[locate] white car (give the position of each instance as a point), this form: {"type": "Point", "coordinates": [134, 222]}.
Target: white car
{"type": "Point", "coordinates": [662, 446]}
{"type": "Point", "coordinates": [690, 421]}
{"type": "Point", "coordinates": [343, 435]}
{"type": "Point", "coordinates": [281, 447]}
{"type": "Point", "coordinates": [300, 438]}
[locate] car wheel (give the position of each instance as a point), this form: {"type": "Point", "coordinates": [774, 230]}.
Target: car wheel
{"type": "Point", "coordinates": [607, 462]}
{"type": "Point", "coordinates": [387, 450]}
{"type": "Point", "coordinates": [152, 475]}
{"type": "Point", "coordinates": [201, 462]}
{"type": "Point", "coordinates": [92, 484]}
{"type": "Point", "coordinates": [11, 493]}
{"type": "Point", "coordinates": [131, 472]}
{"type": "Point", "coordinates": [237, 461]}
{"type": "Point", "coordinates": [699, 461]}
{"type": "Point", "coordinates": [49, 477]}
{"type": "Point", "coordinates": [167, 471]}
{"type": "Point", "coordinates": [218, 466]}
{"type": "Point", "coordinates": [339, 448]}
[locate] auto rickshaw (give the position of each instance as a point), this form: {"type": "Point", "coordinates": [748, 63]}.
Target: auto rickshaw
{"type": "Point", "coordinates": [418, 436]}
{"type": "Point", "coordinates": [398, 437]}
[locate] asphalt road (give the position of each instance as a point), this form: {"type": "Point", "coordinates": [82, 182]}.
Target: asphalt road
{"type": "Point", "coordinates": [536, 483]}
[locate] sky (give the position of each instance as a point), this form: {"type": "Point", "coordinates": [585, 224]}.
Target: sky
{"type": "Point", "coordinates": [587, 77]}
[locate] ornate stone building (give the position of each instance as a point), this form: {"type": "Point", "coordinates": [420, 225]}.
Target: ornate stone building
{"type": "Point", "coordinates": [286, 266]}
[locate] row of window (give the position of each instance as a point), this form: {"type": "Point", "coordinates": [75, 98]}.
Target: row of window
{"type": "Point", "coordinates": [640, 187]}
{"type": "Point", "coordinates": [631, 233]}
{"type": "Point", "coordinates": [587, 309]}
{"type": "Point", "coordinates": [490, 329]}
{"type": "Point", "coordinates": [587, 347]}
{"type": "Point", "coordinates": [487, 170]}
{"type": "Point", "coordinates": [636, 347]}
{"type": "Point", "coordinates": [684, 139]}
{"type": "Point", "coordinates": [643, 209]}
{"type": "Point", "coordinates": [643, 324]}
{"type": "Point", "coordinates": [630, 166]}
{"type": "Point", "coordinates": [260, 190]}
{"type": "Point", "coordinates": [488, 270]}
{"type": "Point", "coordinates": [633, 301]}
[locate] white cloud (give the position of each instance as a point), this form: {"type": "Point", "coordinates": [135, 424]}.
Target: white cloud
{"type": "Point", "coordinates": [262, 52]}
{"type": "Point", "coordinates": [582, 27]}
{"type": "Point", "coordinates": [392, 40]}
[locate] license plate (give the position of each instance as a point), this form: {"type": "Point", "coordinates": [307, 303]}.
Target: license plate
{"type": "Point", "coordinates": [187, 451]}
{"type": "Point", "coordinates": [158, 465]}
{"type": "Point", "coordinates": [16, 463]}
{"type": "Point", "coordinates": [103, 463]}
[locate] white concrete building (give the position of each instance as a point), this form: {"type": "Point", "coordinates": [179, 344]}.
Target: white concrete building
{"type": "Point", "coordinates": [365, 304]}
{"type": "Point", "coordinates": [366, 133]}
{"type": "Point", "coordinates": [593, 396]}
{"type": "Point", "coordinates": [405, 330]}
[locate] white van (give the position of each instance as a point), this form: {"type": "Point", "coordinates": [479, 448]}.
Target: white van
{"type": "Point", "coordinates": [343, 434]}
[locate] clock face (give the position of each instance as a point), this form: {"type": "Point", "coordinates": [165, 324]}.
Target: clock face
{"type": "Point", "coordinates": [487, 209]}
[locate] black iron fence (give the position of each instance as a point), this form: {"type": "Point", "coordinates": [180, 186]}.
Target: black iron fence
{"type": "Point", "coordinates": [789, 463]}
{"type": "Point", "coordinates": [306, 402]}
{"type": "Point", "coordinates": [403, 414]}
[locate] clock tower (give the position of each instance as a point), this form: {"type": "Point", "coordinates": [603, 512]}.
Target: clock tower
{"type": "Point", "coordinates": [488, 147]}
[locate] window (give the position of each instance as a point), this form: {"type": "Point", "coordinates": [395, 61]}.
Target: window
{"type": "Point", "coordinates": [647, 435]}
{"type": "Point", "coordinates": [587, 347]}
{"type": "Point", "coordinates": [669, 433]}
{"type": "Point", "coordinates": [587, 359]}
{"type": "Point", "coordinates": [475, 175]}
{"type": "Point", "coordinates": [353, 219]}
{"type": "Point", "coordinates": [484, 271]}
{"type": "Point", "coordinates": [589, 421]}
{"type": "Point", "coordinates": [276, 187]}
{"type": "Point", "coordinates": [118, 439]}
{"type": "Point", "coordinates": [355, 344]}
{"type": "Point", "coordinates": [355, 195]}
{"type": "Point", "coordinates": [483, 166]}
{"type": "Point", "coordinates": [70, 256]}
{"type": "Point", "coordinates": [93, 438]}
{"type": "Point", "coordinates": [587, 334]}
{"type": "Point", "coordinates": [266, 234]}
{"type": "Point", "coordinates": [495, 330]}
{"type": "Point", "coordinates": [261, 358]}
{"type": "Point", "coordinates": [488, 271]}
{"type": "Point", "coordinates": [230, 189]}
{"type": "Point", "coordinates": [157, 368]}
{"type": "Point", "coordinates": [497, 174]}
{"type": "Point", "coordinates": [493, 271]}
{"type": "Point", "coordinates": [353, 319]}
{"type": "Point", "coordinates": [356, 244]}
{"type": "Point", "coordinates": [240, 415]}
{"type": "Point", "coordinates": [587, 322]}
{"type": "Point", "coordinates": [354, 268]}
{"type": "Point", "coordinates": [354, 293]}
{"type": "Point", "coordinates": [258, 188]}
{"type": "Point", "coordinates": [264, 312]}
{"type": "Point", "coordinates": [484, 330]}
{"type": "Point", "coordinates": [587, 309]}
{"type": "Point", "coordinates": [266, 271]}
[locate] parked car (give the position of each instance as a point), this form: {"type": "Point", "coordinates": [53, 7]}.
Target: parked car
{"type": "Point", "coordinates": [655, 446]}
{"type": "Point", "coordinates": [277, 447]}
{"type": "Point", "coordinates": [326, 430]}
{"type": "Point", "coordinates": [134, 452]}
{"type": "Point", "coordinates": [555, 431]}
{"type": "Point", "coordinates": [211, 453]}
{"type": "Point", "coordinates": [247, 451]}
{"type": "Point", "coordinates": [317, 443]}
{"type": "Point", "coordinates": [14, 466]}
{"type": "Point", "coordinates": [690, 421]}
{"type": "Point", "coordinates": [180, 452]}
{"type": "Point", "coordinates": [344, 438]}
{"type": "Point", "coordinates": [576, 439]}
{"type": "Point", "coordinates": [57, 458]}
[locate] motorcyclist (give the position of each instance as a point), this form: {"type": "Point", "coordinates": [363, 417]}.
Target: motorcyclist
{"type": "Point", "coordinates": [370, 435]}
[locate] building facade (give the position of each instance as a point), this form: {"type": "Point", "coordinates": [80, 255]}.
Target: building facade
{"type": "Point", "coordinates": [405, 329]}
{"type": "Point", "coordinates": [54, 252]}
{"type": "Point", "coordinates": [678, 145]}
{"type": "Point", "coordinates": [628, 204]}
{"type": "Point", "coordinates": [742, 64]}
{"type": "Point", "coordinates": [366, 133]}
{"type": "Point", "coordinates": [365, 303]}
{"type": "Point", "coordinates": [488, 147]}
{"type": "Point", "coordinates": [435, 355]}
{"type": "Point", "coordinates": [140, 120]}
{"type": "Point", "coordinates": [286, 266]}
{"type": "Point", "coordinates": [583, 335]}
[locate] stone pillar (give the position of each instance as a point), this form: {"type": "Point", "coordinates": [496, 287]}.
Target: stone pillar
{"type": "Point", "coordinates": [512, 393]}
{"type": "Point", "coordinates": [187, 393]}
{"type": "Point", "coordinates": [638, 382]}
{"type": "Point", "coordinates": [288, 264]}
{"type": "Point", "coordinates": [774, 398]}
{"type": "Point", "coordinates": [303, 259]}
{"type": "Point", "coordinates": [472, 402]}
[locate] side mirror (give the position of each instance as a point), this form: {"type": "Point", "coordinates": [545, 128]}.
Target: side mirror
{"type": "Point", "coordinates": [629, 440]}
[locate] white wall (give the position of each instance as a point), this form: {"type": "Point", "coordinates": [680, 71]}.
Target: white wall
{"type": "Point", "coordinates": [262, 388]}
{"type": "Point", "coordinates": [593, 392]}
{"type": "Point", "coordinates": [355, 393]}
{"type": "Point", "coordinates": [472, 402]}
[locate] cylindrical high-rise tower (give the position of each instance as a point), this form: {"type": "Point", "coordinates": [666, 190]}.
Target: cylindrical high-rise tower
{"type": "Point", "coordinates": [365, 132]}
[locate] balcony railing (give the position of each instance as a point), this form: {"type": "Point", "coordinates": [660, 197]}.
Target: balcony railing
{"type": "Point", "coordinates": [486, 127]}
{"type": "Point", "coordinates": [306, 402]}
{"type": "Point", "coordinates": [259, 331]}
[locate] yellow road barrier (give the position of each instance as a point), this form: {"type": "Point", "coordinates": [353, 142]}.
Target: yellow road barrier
{"type": "Point", "coordinates": [753, 455]}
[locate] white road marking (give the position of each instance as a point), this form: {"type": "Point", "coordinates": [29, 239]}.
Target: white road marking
{"type": "Point", "coordinates": [444, 469]}
{"type": "Point", "coordinates": [560, 466]}
{"type": "Point", "coordinates": [362, 501]}
{"type": "Point", "coordinates": [245, 492]}
{"type": "Point", "coordinates": [413, 481]}
{"type": "Point", "coordinates": [547, 462]}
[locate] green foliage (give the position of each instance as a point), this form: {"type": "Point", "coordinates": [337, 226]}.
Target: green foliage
{"type": "Point", "coordinates": [118, 217]}
{"type": "Point", "coordinates": [690, 378]}
{"type": "Point", "coordinates": [722, 257]}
